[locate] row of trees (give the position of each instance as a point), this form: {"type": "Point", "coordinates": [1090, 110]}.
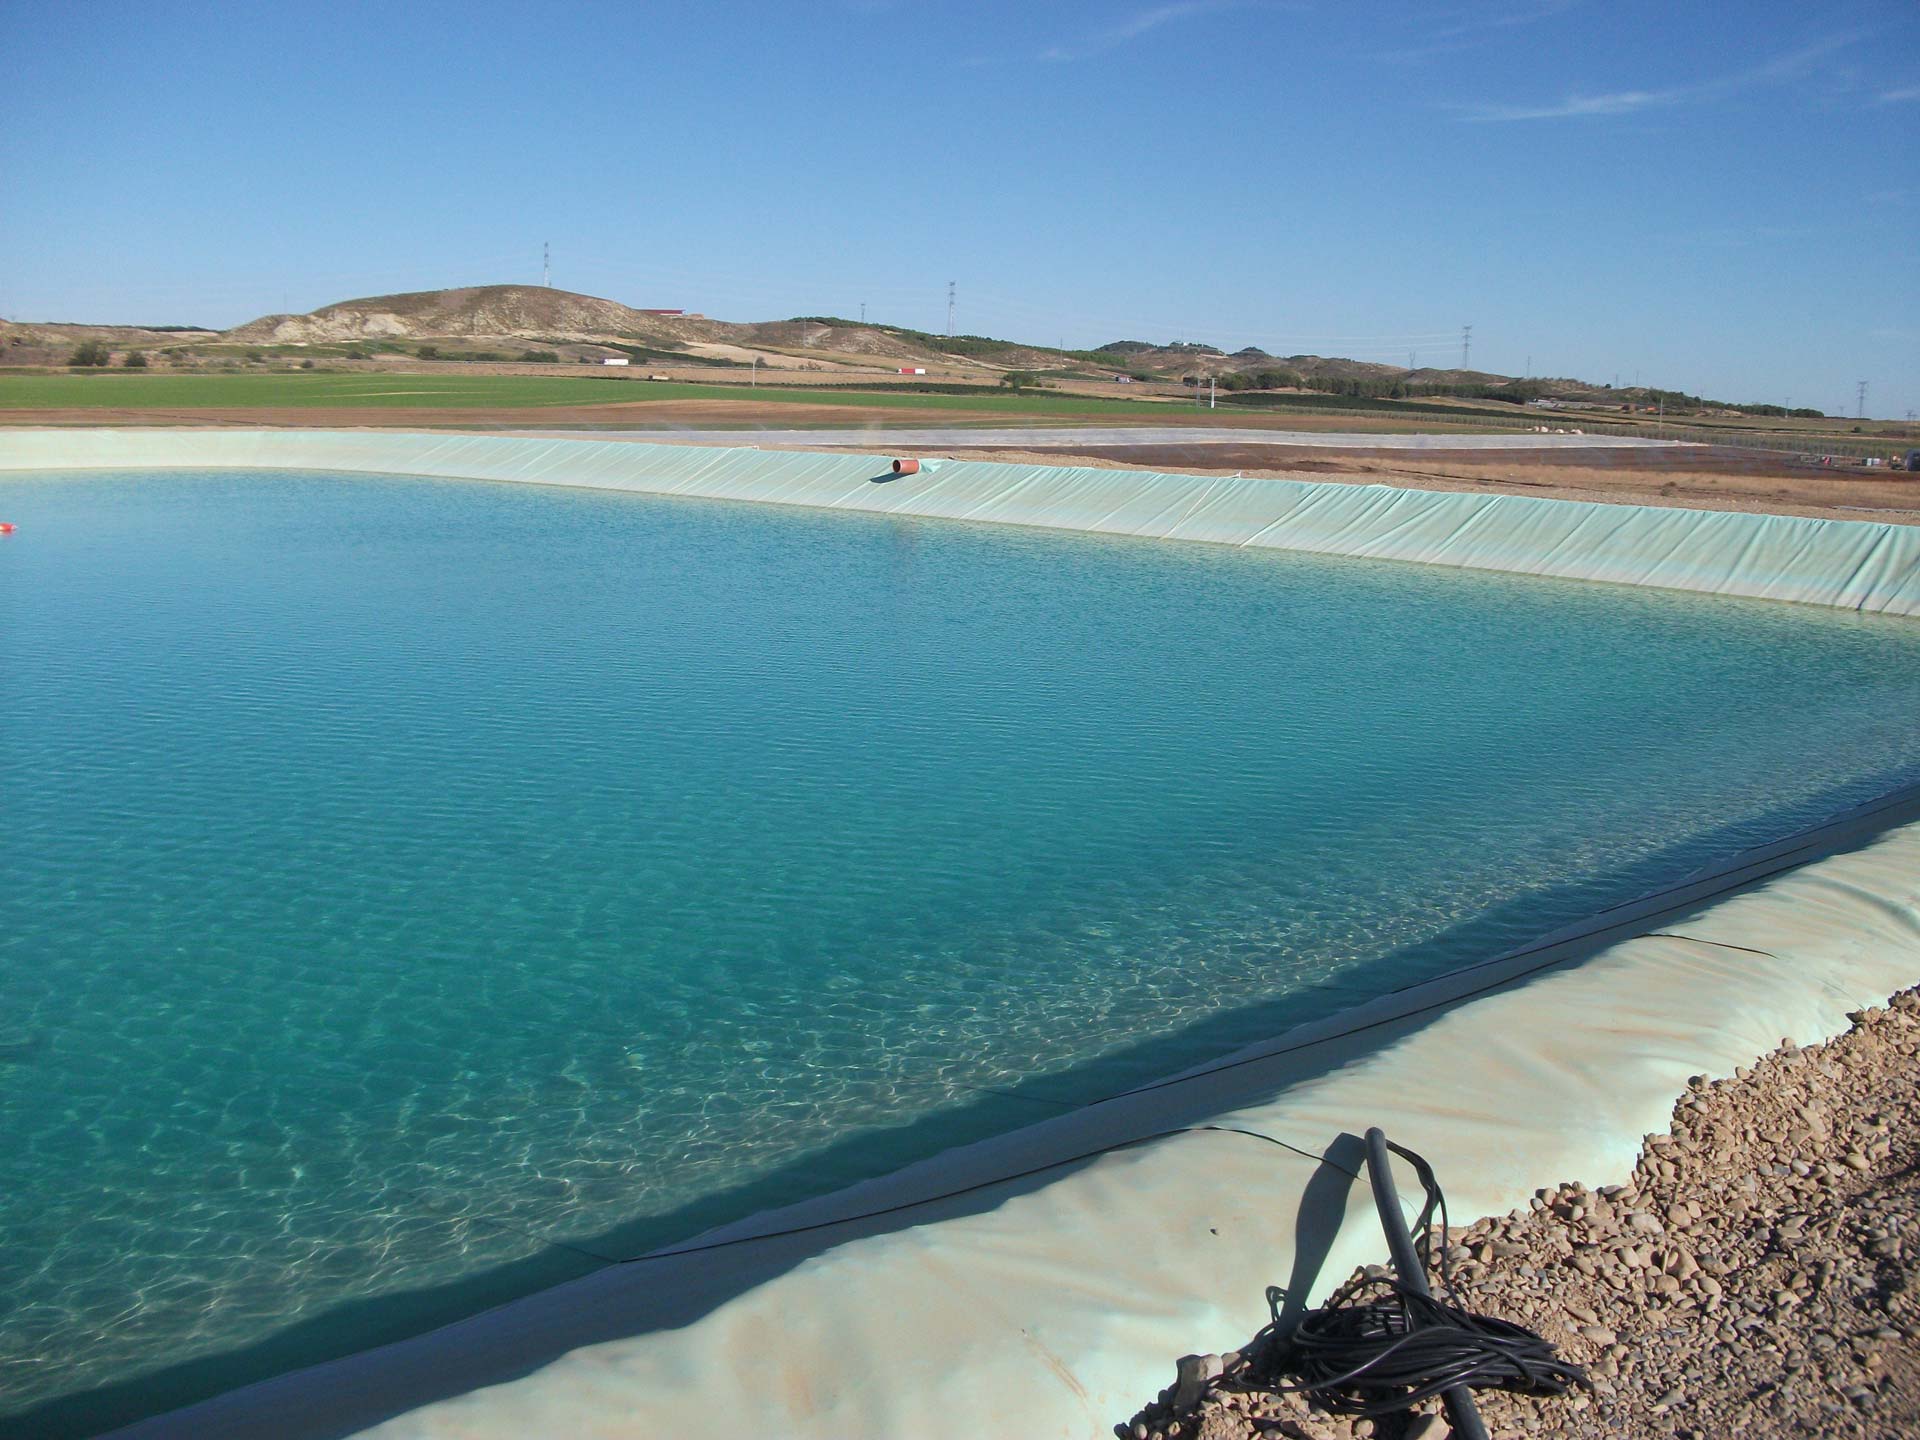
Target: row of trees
{"type": "Point", "coordinates": [1252, 380]}
{"type": "Point", "coordinates": [433, 352]}
{"type": "Point", "coordinates": [1374, 387]}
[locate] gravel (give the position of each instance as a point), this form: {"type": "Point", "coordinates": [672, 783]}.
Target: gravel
{"type": "Point", "coordinates": [1749, 1279]}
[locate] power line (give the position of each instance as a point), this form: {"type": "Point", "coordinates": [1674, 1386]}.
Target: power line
{"type": "Point", "coordinates": [546, 263]}
{"type": "Point", "coordinates": [950, 309]}
{"type": "Point", "coordinates": [1466, 345]}
{"type": "Point", "coordinates": [1860, 404]}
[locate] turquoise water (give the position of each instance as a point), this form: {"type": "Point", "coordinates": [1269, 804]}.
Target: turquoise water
{"type": "Point", "coordinates": [414, 889]}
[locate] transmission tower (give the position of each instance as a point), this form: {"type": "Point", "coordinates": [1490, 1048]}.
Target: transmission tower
{"type": "Point", "coordinates": [546, 263]}
{"type": "Point", "coordinates": [1860, 400]}
{"type": "Point", "coordinates": [1466, 345]}
{"type": "Point", "coordinates": [950, 309]}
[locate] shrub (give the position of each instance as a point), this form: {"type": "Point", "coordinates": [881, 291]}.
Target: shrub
{"type": "Point", "coordinates": [88, 352]}
{"type": "Point", "coordinates": [428, 352]}
{"type": "Point", "coordinates": [540, 357]}
{"type": "Point", "coordinates": [136, 360]}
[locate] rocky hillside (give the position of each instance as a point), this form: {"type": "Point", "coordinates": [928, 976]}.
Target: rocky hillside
{"type": "Point", "coordinates": [501, 313]}
{"type": "Point", "coordinates": [49, 343]}
{"type": "Point", "coordinates": [490, 312]}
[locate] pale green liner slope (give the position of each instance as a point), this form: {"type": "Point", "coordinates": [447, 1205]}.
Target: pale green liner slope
{"type": "Point", "coordinates": [1850, 564]}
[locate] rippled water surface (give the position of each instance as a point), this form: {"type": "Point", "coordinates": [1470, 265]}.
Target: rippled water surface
{"type": "Point", "coordinates": [405, 881]}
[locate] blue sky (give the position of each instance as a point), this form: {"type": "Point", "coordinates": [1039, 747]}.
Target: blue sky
{"type": "Point", "coordinates": [1717, 198]}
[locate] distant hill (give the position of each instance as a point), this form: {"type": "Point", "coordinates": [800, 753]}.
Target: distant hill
{"type": "Point", "coordinates": [488, 312]}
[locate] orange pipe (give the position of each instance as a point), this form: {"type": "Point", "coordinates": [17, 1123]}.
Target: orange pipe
{"type": "Point", "coordinates": [906, 467]}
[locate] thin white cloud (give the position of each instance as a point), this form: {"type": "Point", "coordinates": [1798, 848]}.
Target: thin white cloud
{"type": "Point", "coordinates": [1620, 102]}
{"type": "Point", "coordinates": [1631, 102]}
{"type": "Point", "coordinates": [1902, 96]}
{"type": "Point", "coordinates": [1141, 22]}
{"type": "Point", "coordinates": [1474, 28]}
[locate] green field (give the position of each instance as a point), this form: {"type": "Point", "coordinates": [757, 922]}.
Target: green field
{"type": "Point", "coordinates": [195, 392]}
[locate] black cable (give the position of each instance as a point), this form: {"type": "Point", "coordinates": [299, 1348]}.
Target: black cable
{"type": "Point", "coordinates": [1702, 940]}
{"type": "Point", "coordinates": [754, 1238]}
{"type": "Point", "coordinates": [1382, 1345]}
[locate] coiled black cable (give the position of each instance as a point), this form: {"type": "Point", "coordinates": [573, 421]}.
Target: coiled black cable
{"type": "Point", "coordinates": [1383, 1355]}
{"type": "Point", "coordinates": [1385, 1343]}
